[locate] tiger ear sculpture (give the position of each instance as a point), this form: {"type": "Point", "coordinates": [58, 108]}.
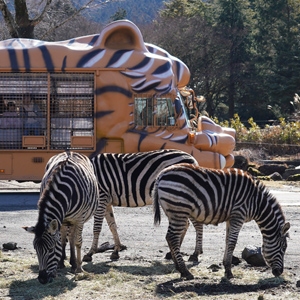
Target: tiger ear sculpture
{"type": "Point", "coordinates": [122, 35]}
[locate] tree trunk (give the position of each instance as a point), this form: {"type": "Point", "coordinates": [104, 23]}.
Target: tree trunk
{"type": "Point", "coordinates": [21, 26]}
{"type": "Point", "coordinates": [24, 24]}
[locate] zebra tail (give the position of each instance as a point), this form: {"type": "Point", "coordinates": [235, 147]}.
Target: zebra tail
{"type": "Point", "coordinates": [156, 208]}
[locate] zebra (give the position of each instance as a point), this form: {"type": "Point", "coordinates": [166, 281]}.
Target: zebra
{"type": "Point", "coordinates": [127, 179]}
{"type": "Point", "coordinates": [68, 198]}
{"type": "Point", "coordinates": [215, 196]}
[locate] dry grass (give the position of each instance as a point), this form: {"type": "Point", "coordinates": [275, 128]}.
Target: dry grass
{"type": "Point", "coordinates": [138, 279]}
{"type": "Point", "coordinates": [143, 274]}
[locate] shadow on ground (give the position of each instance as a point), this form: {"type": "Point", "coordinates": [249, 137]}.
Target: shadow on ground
{"type": "Point", "coordinates": [197, 286]}
{"type": "Point", "coordinates": [32, 289]}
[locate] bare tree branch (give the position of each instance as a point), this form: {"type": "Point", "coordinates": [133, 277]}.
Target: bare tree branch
{"type": "Point", "coordinates": [9, 19]}
{"type": "Point", "coordinates": [41, 16]}
{"type": "Point", "coordinates": [76, 13]}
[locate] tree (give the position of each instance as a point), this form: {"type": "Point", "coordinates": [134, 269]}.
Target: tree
{"type": "Point", "coordinates": [279, 27]}
{"type": "Point", "coordinates": [185, 31]}
{"type": "Point", "coordinates": [22, 26]}
{"type": "Point", "coordinates": [232, 23]}
{"type": "Point", "coordinates": [120, 14]}
{"type": "Point", "coordinates": [210, 39]}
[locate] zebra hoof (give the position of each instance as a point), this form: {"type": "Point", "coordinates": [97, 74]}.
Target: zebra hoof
{"type": "Point", "coordinates": [187, 276]}
{"type": "Point", "coordinates": [193, 258]}
{"type": "Point", "coordinates": [229, 275]}
{"type": "Point", "coordinates": [114, 256]}
{"type": "Point", "coordinates": [87, 258]}
{"type": "Point", "coordinates": [78, 270]}
{"type": "Point", "coordinates": [168, 256]}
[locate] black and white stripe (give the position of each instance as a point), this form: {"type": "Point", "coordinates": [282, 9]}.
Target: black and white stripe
{"type": "Point", "coordinates": [69, 198]}
{"type": "Point", "coordinates": [214, 196]}
{"type": "Point", "coordinates": [127, 180]}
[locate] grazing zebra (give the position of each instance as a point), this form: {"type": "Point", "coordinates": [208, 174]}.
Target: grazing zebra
{"type": "Point", "coordinates": [68, 198]}
{"type": "Point", "coordinates": [127, 179]}
{"type": "Point", "coordinates": [215, 196]}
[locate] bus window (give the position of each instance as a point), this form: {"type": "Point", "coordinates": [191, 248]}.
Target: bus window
{"type": "Point", "coordinates": [71, 108]}
{"type": "Point", "coordinates": [144, 111]}
{"type": "Point", "coordinates": [50, 108]}
{"type": "Point", "coordinates": [151, 111]}
{"type": "Point", "coordinates": [165, 115]}
{"type": "Point", "coordinates": [28, 93]}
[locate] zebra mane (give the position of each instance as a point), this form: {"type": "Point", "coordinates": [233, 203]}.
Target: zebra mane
{"type": "Point", "coordinates": [44, 198]}
{"type": "Point", "coordinates": [270, 198]}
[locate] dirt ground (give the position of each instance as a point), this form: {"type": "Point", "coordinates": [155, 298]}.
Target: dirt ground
{"type": "Point", "coordinates": [146, 243]}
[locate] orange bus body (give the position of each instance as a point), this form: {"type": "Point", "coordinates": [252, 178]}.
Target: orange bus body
{"type": "Point", "coordinates": [109, 92]}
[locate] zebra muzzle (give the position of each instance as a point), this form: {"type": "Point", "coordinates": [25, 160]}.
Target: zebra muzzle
{"type": "Point", "coordinates": [277, 272]}
{"type": "Point", "coordinates": [44, 277]}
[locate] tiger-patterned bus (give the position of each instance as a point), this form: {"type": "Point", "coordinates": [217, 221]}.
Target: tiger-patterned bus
{"type": "Point", "coordinates": [108, 92]}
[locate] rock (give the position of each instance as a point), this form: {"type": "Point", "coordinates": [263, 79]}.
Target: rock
{"type": "Point", "coordinates": [253, 256]}
{"type": "Point", "coordinates": [10, 246]}
{"type": "Point", "coordinates": [240, 162]}
{"type": "Point", "coordinates": [265, 178]}
{"type": "Point", "coordinates": [275, 176]}
{"type": "Point", "coordinates": [289, 172]}
{"type": "Point", "coordinates": [235, 260]}
{"type": "Point", "coordinates": [295, 177]}
{"type": "Point", "coordinates": [214, 268]}
{"type": "Point", "coordinates": [272, 168]}
{"type": "Point", "coordinates": [254, 172]}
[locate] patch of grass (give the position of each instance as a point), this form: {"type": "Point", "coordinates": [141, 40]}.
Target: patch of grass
{"type": "Point", "coordinates": [136, 279]}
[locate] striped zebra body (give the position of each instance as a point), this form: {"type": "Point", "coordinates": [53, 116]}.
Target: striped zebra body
{"type": "Point", "coordinates": [127, 180]}
{"type": "Point", "coordinates": [69, 198]}
{"type": "Point", "coordinates": [215, 196]}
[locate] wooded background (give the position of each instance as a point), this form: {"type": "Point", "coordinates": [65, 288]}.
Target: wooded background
{"type": "Point", "coordinates": [243, 55]}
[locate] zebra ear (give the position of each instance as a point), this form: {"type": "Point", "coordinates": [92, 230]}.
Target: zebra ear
{"type": "Point", "coordinates": [285, 228]}
{"type": "Point", "coordinates": [30, 229]}
{"type": "Point", "coordinates": [53, 226]}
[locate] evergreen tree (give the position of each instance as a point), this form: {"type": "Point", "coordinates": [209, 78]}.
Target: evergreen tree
{"type": "Point", "coordinates": [277, 58]}
{"type": "Point", "coordinates": [232, 20]}
{"type": "Point", "coordinates": [120, 14]}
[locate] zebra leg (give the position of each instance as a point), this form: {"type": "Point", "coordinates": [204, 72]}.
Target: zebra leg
{"type": "Point", "coordinates": [169, 255]}
{"type": "Point", "coordinates": [110, 218]}
{"type": "Point", "coordinates": [98, 221]}
{"type": "Point", "coordinates": [233, 228]}
{"type": "Point", "coordinates": [78, 244]}
{"type": "Point", "coordinates": [174, 236]}
{"type": "Point", "coordinates": [63, 234]}
{"type": "Point", "coordinates": [72, 235]}
{"type": "Point", "coordinates": [199, 238]}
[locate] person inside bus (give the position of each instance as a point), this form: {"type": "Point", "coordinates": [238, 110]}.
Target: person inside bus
{"type": "Point", "coordinates": [10, 118]}
{"type": "Point", "coordinates": [2, 105]}
{"type": "Point", "coordinates": [147, 113]}
{"type": "Point", "coordinates": [31, 114]}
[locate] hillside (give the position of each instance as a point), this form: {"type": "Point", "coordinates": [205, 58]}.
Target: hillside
{"type": "Point", "coordinates": [138, 11]}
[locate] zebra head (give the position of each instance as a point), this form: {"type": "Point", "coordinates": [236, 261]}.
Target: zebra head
{"type": "Point", "coordinates": [47, 243]}
{"type": "Point", "coordinates": [274, 250]}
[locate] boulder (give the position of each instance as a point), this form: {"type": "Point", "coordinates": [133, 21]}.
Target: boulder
{"type": "Point", "coordinates": [295, 177]}
{"type": "Point", "coordinates": [275, 176]}
{"type": "Point", "coordinates": [254, 172]}
{"type": "Point", "coordinates": [10, 246]}
{"type": "Point", "coordinates": [272, 168]}
{"type": "Point", "coordinates": [289, 172]}
{"type": "Point", "coordinates": [240, 162]}
{"type": "Point", "coordinates": [253, 256]}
